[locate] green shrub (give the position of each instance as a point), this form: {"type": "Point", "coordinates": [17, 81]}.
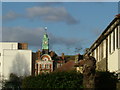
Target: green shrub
{"type": "Point", "coordinates": [14, 82]}
{"type": "Point", "coordinates": [61, 80]}
{"type": "Point", "coordinates": [54, 80]}
{"type": "Point", "coordinates": [105, 80]}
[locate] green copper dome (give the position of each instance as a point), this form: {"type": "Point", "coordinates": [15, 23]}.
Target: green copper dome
{"type": "Point", "coordinates": [45, 42]}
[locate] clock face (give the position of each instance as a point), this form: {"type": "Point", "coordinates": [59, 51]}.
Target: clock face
{"type": "Point", "coordinates": [45, 42]}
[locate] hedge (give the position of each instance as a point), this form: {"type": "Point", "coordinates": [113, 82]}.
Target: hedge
{"type": "Point", "coordinates": [54, 80]}
{"type": "Point", "coordinates": [61, 80]}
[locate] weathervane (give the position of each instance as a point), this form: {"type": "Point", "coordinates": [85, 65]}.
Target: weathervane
{"type": "Point", "coordinates": [45, 29]}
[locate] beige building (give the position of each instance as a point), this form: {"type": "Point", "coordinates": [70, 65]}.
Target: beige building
{"type": "Point", "coordinates": [106, 49]}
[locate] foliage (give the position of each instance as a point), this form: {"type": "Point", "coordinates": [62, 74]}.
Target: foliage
{"type": "Point", "coordinates": [60, 80]}
{"type": "Point", "coordinates": [54, 80]}
{"type": "Point", "coordinates": [13, 82]}
{"type": "Point", "coordinates": [105, 80]}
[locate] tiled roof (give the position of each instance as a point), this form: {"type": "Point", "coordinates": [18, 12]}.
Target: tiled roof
{"type": "Point", "coordinates": [66, 67]}
{"type": "Point", "coordinates": [118, 16]}
{"type": "Point", "coordinates": [69, 57]}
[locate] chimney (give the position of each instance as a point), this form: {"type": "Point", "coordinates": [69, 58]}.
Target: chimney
{"type": "Point", "coordinates": [117, 16]}
{"type": "Point", "coordinates": [63, 56]}
{"type": "Point", "coordinates": [23, 46]}
{"type": "Point", "coordinates": [38, 54]}
{"type": "Point", "coordinates": [51, 53]}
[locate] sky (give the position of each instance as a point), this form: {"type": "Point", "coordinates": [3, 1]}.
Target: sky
{"type": "Point", "coordinates": [71, 26]}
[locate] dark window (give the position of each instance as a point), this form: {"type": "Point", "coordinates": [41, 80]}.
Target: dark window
{"type": "Point", "coordinates": [113, 40]}
{"type": "Point", "coordinates": [93, 53]}
{"type": "Point", "coordinates": [110, 43]}
{"type": "Point", "coordinates": [102, 50]}
{"type": "Point", "coordinates": [117, 37]}
{"type": "Point", "coordinates": [97, 53]}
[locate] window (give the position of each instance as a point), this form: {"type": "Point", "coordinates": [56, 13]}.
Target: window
{"type": "Point", "coordinates": [93, 53]}
{"type": "Point", "coordinates": [47, 66]}
{"type": "Point", "coordinates": [97, 53]}
{"type": "Point", "coordinates": [36, 69]}
{"type": "Point", "coordinates": [110, 43]}
{"type": "Point", "coordinates": [36, 66]}
{"type": "Point", "coordinates": [114, 40]}
{"type": "Point", "coordinates": [42, 66]}
{"type": "Point", "coordinates": [107, 48]}
{"type": "Point", "coordinates": [102, 50]}
{"type": "Point", "coordinates": [117, 37]}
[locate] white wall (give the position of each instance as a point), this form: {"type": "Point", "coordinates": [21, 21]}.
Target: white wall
{"type": "Point", "coordinates": [119, 60]}
{"type": "Point", "coordinates": [6, 45]}
{"type": "Point", "coordinates": [114, 56]}
{"type": "Point", "coordinates": [17, 61]}
{"type": "Point", "coordinates": [9, 45]}
{"type": "Point", "coordinates": [14, 61]}
{"type": "Point", "coordinates": [113, 61]}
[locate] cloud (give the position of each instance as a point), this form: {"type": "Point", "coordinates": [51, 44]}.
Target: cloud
{"type": "Point", "coordinates": [44, 13]}
{"type": "Point", "coordinates": [53, 14]}
{"type": "Point", "coordinates": [50, 3]}
{"type": "Point", "coordinates": [34, 37]}
{"type": "Point", "coordinates": [11, 15]}
{"type": "Point", "coordinates": [68, 42]}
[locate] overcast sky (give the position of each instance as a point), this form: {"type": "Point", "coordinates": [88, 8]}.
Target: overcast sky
{"type": "Point", "coordinates": [70, 24]}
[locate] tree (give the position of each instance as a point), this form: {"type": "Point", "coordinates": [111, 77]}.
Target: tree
{"type": "Point", "coordinates": [54, 80]}
{"type": "Point", "coordinates": [13, 82]}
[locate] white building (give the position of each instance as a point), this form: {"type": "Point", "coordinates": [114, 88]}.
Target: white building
{"type": "Point", "coordinates": [106, 49]}
{"type": "Point", "coordinates": [15, 58]}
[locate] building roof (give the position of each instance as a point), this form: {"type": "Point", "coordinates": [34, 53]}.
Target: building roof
{"type": "Point", "coordinates": [105, 33]}
{"type": "Point", "coordinates": [69, 57]}
{"type": "Point", "coordinates": [69, 66]}
{"type": "Point", "coordinates": [118, 16]}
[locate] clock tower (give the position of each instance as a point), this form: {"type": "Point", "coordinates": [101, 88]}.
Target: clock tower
{"type": "Point", "coordinates": [45, 43]}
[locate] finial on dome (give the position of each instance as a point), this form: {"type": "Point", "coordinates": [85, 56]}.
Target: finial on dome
{"type": "Point", "coordinates": [46, 29]}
